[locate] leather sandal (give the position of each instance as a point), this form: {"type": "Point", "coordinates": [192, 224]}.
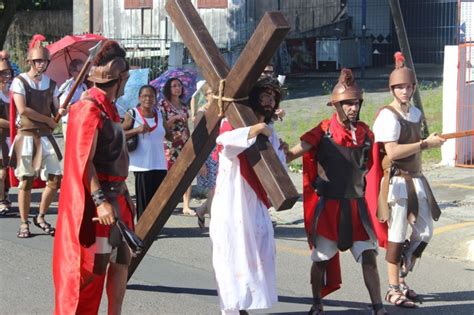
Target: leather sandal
{"type": "Point", "coordinates": [396, 297]}
{"type": "Point", "coordinates": [409, 293]}
{"type": "Point", "coordinates": [24, 231]}
{"type": "Point", "coordinates": [45, 226]}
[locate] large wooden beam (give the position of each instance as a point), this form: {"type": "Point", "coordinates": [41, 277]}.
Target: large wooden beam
{"type": "Point", "coordinates": [258, 52]}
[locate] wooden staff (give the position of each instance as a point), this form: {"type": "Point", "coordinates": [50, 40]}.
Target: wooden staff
{"type": "Point", "coordinates": [459, 134]}
{"type": "Point", "coordinates": [405, 48]}
{"type": "Point", "coordinates": [80, 78]}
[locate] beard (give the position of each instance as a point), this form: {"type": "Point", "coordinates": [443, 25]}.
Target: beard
{"type": "Point", "coordinates": [266, 113]}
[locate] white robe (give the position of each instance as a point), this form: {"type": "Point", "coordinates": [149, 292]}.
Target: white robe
{"type": "Point", "coordinates": [241, 232]}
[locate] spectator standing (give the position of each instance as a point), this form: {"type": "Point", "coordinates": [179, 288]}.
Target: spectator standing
{"type": "Point", "coordinates": [176, 115]}
{"type": "Point", "coordinates": [147, 161]}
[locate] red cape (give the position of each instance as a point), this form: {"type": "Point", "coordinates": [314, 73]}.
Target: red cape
{"type": "Point", "coordinates": [373, 179]}
{"type": "Point", "coordinates": [38, 183]}
{"type": "Point", "coordinates": [74, 226]}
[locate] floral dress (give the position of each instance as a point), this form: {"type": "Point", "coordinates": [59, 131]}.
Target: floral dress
{"type": "Point", "coordinates": [173, 148]}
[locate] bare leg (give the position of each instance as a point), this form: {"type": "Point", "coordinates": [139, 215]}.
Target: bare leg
{"type": "Point", "coordinates": [24, 202]}
{"type": "Point", "coordinates": [206, 206]}
{"type": "Point", "coordinates": [372, 279]}
{"type": "Point", "coordinates": [116, 287]}
{"type": "Point", "coordinates": [393, 273]}
{"type": "Point", "coordinates": [46, 199]}
{"type": "Point", "coordinates": [210, 196]}
{"type": "Point", "coordinates": [317, 273]}
{"type": "Point", "coordinates": [186, 200]}
{"type": "Point", "coordinates": [3, 175]}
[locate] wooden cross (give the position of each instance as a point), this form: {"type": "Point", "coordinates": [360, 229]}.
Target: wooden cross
{"type": "Point", "coordinates": [238, 82]}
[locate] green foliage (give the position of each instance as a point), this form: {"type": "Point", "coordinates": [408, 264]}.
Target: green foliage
{"type": "Point", "coordinates": [427, 85]}
{"type": "Point", "coordinates": [327, 87]}
{"type": "Point", "coordinates": [297, 122]}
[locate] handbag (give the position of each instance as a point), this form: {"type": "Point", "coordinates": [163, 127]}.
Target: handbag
{"type": "Point", "coordinates": [132, 142]}
{"type": "Point", "coordinates": [135, 243]}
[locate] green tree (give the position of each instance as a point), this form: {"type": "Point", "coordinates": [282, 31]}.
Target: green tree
{"type": "Point", "coordinates": [8, 8]}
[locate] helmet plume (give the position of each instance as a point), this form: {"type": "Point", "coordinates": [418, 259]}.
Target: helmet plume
{"type": "Point", "coordinates": [346, 77]}
{"type": "Point", "coordinates": [109, 50]}
{"type": "Point", "coordinates": [36, 41]}
{"type": "Point", "coordinates": [399, 60]}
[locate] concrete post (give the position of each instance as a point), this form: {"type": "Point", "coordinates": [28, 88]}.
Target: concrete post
{"type": "Point", "coordinates": [81, 18]}
{"type": "Point", "coordinates": [450, 97]}
{"type": "Point", "coordinates": [176, 55]}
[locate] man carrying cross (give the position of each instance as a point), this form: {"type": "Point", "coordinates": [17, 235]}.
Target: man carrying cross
{"type": "Point", "coordinates": [241, 229]}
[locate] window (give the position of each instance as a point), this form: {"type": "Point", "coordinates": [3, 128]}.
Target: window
{"type": "Point", "coordinates": [138, 4]}
{"type": "Point", "coordinates": [212, 4]}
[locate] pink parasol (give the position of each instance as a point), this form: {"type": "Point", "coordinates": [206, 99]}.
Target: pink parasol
{"type": "Point", "coordinates": [66, 49]}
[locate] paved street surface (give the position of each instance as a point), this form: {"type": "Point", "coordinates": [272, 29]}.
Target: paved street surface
{"type": "Point", "coordinates": [176, 276]}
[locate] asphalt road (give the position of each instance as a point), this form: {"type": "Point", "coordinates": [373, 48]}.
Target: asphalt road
{"type": "Point", "coordinates": [176, 276]}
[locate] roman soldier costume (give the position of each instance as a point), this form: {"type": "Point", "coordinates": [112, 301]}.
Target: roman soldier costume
{"type": "Point", "coordinates": [83, 249]}
{"type": "Point", "coordinates": [334, 182]}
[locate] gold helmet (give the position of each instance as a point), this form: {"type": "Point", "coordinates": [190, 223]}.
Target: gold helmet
{"type": "Point", "coordinates": [401, 74]}
{"type": "Point", "coordinates": [346, 89]}
{"type": "Point", "coordinates": [115, 69]}
{"type": "Point", "coordinates": [36, 50]}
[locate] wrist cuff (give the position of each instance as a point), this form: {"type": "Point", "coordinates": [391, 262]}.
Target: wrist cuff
{"type": "Point", "coordinates": [98, 197]}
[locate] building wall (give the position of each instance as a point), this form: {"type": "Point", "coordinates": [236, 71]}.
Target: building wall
{"type": "Point", "coordinates": [228, 27]}
{"type": "Point", "coordinates": [302, 15]}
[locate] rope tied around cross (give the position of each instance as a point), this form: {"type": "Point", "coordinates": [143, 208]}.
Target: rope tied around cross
{"type": "Point", "coordinates": [221, 98]}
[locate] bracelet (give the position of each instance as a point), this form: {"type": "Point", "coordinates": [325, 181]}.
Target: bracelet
{"type": "Point", "coordinates": [423, 145]}
{"type": "Point", "coordinates": [98, 197]}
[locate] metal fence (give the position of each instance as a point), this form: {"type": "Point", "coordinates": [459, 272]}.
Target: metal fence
{"type": "Point", "coordinates": [430, 25]}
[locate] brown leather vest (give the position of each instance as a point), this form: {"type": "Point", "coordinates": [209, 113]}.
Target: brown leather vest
{"type": "Point", "coordinates": [408, 168]}
{"type": "Point", "coordinates": [341, 170]}
{"type": "Point", "coordinates": [410, 132]}
{"type": "Point", "coordinates": [111, 155]}
{"type": "Point", "coordinates": [40, 101]}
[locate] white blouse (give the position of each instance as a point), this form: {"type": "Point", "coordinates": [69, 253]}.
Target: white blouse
{"type": "Point", "coordinates": [149, 154]}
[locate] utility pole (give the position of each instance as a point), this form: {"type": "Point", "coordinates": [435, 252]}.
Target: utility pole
{"type": "Point", "coordinates": [405, 48]}
{"type": "Point", "coordinates": [363, 49]}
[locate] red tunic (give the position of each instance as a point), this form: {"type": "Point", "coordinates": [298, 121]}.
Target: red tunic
{"type": "Point", "coordinates": [329, 218]}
